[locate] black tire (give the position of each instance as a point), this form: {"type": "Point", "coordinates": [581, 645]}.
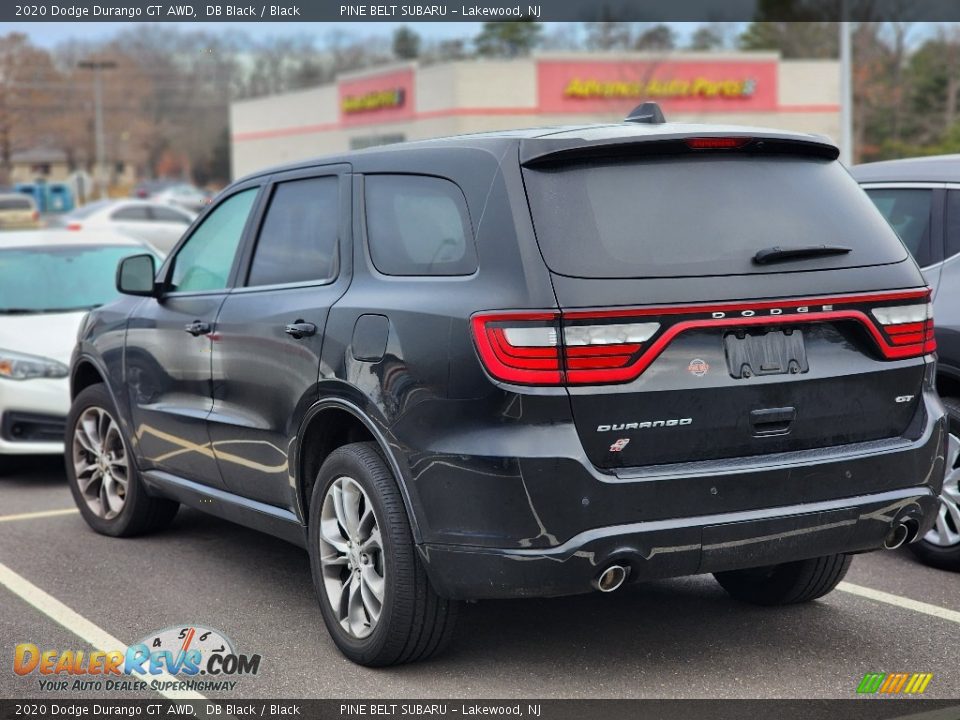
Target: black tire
{"type": "Point", "coordinates": [940, 556]}
{"type": "Point", "coordinates": [415, 623]}
{"type": "Point", "coordinates": [141, 513]}
{"type": "Point", "coordinates": [786, 584]}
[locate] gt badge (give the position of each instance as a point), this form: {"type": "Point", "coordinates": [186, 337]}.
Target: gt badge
{"type": "Point", "coordinates": [619, 445]}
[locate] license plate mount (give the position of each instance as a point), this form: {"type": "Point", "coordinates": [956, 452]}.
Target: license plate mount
{"type": "Point", "coordinates": [776, 352]}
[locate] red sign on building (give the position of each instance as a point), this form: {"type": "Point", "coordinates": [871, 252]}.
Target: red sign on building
{"type": "Point", "coordinates": [685, 86]}
{"type": "Point", "coordinates": [377, 98]}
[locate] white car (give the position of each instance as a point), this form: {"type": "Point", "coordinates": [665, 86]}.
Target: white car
{"type": "Point", "coordinates": [185, 196]}
{"type": "Point", "coordinates": [49, 279]}
{"type": "Point", "coordinates": [156, 223]}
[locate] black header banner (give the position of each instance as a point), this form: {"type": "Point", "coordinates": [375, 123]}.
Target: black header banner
{"type": "Point", "coordinates": [361, 709]}
{"type": "Point", "coordinates": [481, 11]}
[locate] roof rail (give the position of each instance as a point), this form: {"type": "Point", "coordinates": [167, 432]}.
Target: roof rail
{"type": "Point", "coordinates": [648, 112]}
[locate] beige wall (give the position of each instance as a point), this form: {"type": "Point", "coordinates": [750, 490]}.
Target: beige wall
{"type": "Point", "coordinates": [296, 126]}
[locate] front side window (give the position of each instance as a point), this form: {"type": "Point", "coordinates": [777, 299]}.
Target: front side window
{"type": "Point", "coordinates": [908, 212]}
{"type": "Point", "coordinates": [298, 239]}
{"type": "Point", "coordinates": [418, 225]}
{"type": "Point", "coordinates": [205, 260]}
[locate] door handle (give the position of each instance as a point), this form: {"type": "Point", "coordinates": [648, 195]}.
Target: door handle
{"type": "Point", "coordinates": [197, 328]}
{"type": "Point", "coordinates": [300, 329]}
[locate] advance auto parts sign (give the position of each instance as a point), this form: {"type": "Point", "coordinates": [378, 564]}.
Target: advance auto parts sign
{"type": "Point", "coordinates": [685, 86]}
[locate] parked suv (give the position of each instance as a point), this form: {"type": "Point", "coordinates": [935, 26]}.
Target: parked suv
{"type": "Point", "coordinates": [920, 197]}
{"type": "Point", "coordinates": [527, 363]}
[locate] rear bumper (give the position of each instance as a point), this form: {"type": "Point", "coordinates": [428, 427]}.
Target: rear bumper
{"type": "Point", "coordinates": [685, 546]}
{"type": "Point", "coordinates": [548, 526]}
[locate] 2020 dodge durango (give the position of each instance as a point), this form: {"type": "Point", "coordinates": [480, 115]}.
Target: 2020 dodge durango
{"type": "Point", "coordinates": [528, 363]}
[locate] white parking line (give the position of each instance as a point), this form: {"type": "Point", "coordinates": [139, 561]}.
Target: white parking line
{"type": "Point", "coordinates": [41, 514]}
{"type": "Point", "coordinates": [78, 625]}
{"type": "Point", "coordinates": [902, 602]}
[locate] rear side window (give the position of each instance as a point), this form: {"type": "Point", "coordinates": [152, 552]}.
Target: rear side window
{"type": "Point", "coordinates": [908, 210]}
{"type": "Point", "coordinates": [676, 216]}
{"type": "Point", "coordinates": [162, 214]}
{"type": "Point", "coordinates": [134, 212]}
{"type": "Point", "coordinates": [418, 225]}
{"type": "Point", "coordinates": [298, 239]}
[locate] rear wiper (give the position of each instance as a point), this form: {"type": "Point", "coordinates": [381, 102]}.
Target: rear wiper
{"type": "Point", "coordinates": [778, 254]}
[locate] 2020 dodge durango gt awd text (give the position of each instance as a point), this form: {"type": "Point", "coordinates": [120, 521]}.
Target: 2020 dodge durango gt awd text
{"type": "Point", "coordinates": [520, 364]}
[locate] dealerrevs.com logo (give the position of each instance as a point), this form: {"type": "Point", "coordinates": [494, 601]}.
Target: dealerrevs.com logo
{"type": "Point", "coordinates": [187, 657]}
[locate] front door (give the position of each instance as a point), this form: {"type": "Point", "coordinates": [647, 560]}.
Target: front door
{"type": "Point", "coordinates": [266, 360]}
{"type": "Point", "coordinates": [169, 342]}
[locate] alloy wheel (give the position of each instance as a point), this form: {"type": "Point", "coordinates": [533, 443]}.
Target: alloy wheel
{"type": "Point", "coordinates": [100, 462]}
{"type": "Point", "coordinates": [946, 531]}
{"type": "Point", "coordinates": [351, 557]}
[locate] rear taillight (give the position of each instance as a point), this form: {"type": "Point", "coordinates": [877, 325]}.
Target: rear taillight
{"type": "Point", "coordinates": [534, 349]}
{"type": "Point", "coordinates": [74, 226]}
{"type": "Point", "coordinates": [35, 215]}
{"type": "Point", "coordinates": [593, 347]}
{"type": "Point", "coordinates": [908, 329]}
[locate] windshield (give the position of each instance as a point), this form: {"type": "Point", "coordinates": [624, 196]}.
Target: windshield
{"type": "Point", "coordinates": [675, 216]}
{"type": "Point", "coordinates": [59, 279]}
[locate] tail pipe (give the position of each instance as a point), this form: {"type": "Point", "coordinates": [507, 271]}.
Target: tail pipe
{"type": "Point", "coordinates": [610, 579]}
{"type": "Point", "coordinates": [901, 532]}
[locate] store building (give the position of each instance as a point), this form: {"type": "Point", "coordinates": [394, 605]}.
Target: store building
{"type": "Point", "coordinates": [412, 102]}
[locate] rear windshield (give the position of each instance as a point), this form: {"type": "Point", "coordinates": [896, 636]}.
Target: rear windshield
{"type": "Point", "coordinates": [676, 216]}
{"type": "Point", "coordinates": [15, 203]}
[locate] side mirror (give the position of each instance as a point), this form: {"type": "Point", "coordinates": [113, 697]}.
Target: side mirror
{"type": "Point", "coordinates": [135, 276]}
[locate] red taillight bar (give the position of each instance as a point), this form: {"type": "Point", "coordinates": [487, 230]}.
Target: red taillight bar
{"type": "Point", "coordinates": [593, 360]}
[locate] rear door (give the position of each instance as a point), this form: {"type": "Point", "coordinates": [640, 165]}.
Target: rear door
{"type": "Point", "coordinates": [266, 358]}
{"type": "Point", "coordinates": [678, 345]}
{"type": "Point", "coordinates": [167, 357]}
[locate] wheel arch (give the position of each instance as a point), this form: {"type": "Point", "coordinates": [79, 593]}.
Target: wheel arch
{"type": "Point", "coordinates": [331, 424]}
{"type": "Point", "coordinates": [85, 373]}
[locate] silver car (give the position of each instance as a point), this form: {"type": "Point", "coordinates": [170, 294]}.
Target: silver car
{"type": "Point", "coordinates": [920, 197]}
{"type": "Point", "coordinates": [159, 224]}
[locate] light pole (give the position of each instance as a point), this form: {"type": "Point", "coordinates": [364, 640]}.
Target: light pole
{"type": "Point", "coordinates": [98, 66]}
{"type": "Point", "coordinates": [846, 88]}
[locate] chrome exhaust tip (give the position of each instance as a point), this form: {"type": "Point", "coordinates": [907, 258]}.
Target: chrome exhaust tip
{"type": "Point", "coordinates": [898, 535]}
{"type": "Point", "coordinates": [610, 579]}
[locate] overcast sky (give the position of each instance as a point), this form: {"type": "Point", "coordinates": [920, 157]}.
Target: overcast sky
{"type": "Point", "coordinates": [50, 33]}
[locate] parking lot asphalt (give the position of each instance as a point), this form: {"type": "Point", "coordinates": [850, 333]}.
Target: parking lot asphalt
{"type": "Point", "coordinates": [681, 638]}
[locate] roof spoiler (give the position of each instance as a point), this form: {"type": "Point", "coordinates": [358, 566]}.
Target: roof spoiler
{"type": "Point", "coordinates": [548, 150]}
{"type": "Point", "coordinates": [648, 112]}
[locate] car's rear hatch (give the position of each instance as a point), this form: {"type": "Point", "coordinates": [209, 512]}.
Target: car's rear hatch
{"type": "Point", "coordinates": [678, 344]}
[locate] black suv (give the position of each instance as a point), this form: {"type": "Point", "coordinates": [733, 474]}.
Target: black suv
{"type": "Point", "coordinates": [526, 363]}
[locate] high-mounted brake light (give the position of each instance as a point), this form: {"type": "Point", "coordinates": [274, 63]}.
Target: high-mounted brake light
{"type": "Point", "coordinates": [717, 143]}
{"type": "Point", "coordinates": [590, 347]}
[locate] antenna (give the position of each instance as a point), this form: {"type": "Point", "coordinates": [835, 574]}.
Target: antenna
{"type": "Point", "coordinates": [648, 112]}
